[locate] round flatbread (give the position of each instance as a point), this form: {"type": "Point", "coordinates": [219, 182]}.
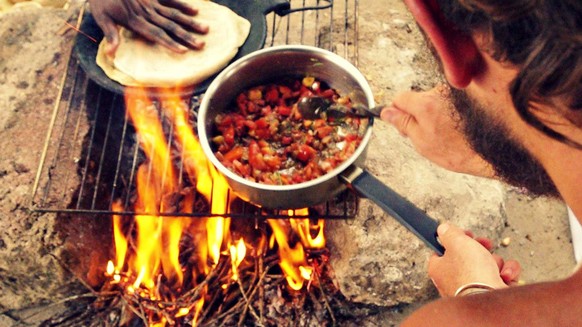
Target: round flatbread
{"type": "Point", "coordinates": [138, 62]}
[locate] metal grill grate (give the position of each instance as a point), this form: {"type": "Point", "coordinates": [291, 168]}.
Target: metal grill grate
{"type": "Point", "coordinates": [91, 152]}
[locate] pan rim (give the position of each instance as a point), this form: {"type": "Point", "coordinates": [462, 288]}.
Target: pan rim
{"type": "Point", "coordinates": [201, 123]}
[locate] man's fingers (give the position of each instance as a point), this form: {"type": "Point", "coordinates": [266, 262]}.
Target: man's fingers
{"type": "Point", "coordinates": [403, 122]}
{"type": "Point", "coordinates": [486, 242]}
{"type": "Point", "coordinates": [401, 114]}
{"type": "Point", "coordinates": [449, 234]}
{"type": "Point", "coordinates": [416, 103]}
{"type": "Point", "coordinates": [407, 113]}
{"type": "Point", "coordinates": [510, 272]}
{"type": "Point", "coordinates": [499, 261]}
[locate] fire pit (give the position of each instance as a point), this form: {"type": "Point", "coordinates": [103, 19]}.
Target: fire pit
{"type": "Point", "coordinates": [187, 251]}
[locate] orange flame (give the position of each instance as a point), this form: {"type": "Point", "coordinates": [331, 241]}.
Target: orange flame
{"type": "Point", "coordinates": [291, 258]}
{"type": "Point", "coordinates": [119, 238]}
{"type": "Point", "coordinates": [156, 179]}
{"type": "Point", "coordinates": [208, 181]}
{"type": "Point", "coordinates": [237, 254]}
{"type": "Point", "coordinates": [157, 238]}
{"type": "Point", "coordinates": [304, 229]}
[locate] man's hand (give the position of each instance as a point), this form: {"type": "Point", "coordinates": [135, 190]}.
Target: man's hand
{"type": "Point", "coordinates": [427, 119]}
{"type": "Point", "coordinates": [468, 260]}
{"type": "Point", "coordinates": [167, 22]}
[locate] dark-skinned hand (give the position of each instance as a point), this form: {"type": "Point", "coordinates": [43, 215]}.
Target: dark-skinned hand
{"type": "Point", "coordinates": [170, 23]}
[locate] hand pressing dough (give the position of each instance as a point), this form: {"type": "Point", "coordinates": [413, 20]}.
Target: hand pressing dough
{"type": "Point", "coordinates": [138, 62]}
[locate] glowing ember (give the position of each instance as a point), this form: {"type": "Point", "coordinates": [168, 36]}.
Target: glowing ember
{"type": "Point", "coordinates": [161, 258]}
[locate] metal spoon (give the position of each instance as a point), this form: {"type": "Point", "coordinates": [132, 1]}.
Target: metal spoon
{"type": "Point", "coordinates": [314, 107]}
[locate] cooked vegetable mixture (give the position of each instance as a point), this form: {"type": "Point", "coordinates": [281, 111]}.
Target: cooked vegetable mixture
{"type": "Point", "coordinates": [265, 139]}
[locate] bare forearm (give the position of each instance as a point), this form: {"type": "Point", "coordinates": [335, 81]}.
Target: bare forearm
{"type": "Point", "coordinates": [546, 304]}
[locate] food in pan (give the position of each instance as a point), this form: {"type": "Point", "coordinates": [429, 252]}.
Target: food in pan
{"type": "Point", "coordinates": [264, 138]}
{"type": "Point", "coordinates": [138, 62]}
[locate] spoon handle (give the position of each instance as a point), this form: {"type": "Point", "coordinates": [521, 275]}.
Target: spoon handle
{"type": "Point", "coordinates": [365, 111]}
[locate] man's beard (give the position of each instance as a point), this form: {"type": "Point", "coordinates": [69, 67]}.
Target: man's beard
{"type": "Point", "coordinates": [488, 137]}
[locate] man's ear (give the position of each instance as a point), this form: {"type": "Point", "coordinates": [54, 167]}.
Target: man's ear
{"type": "Point", "coordinates": [458, 52]}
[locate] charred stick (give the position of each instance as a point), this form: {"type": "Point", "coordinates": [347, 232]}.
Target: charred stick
{"type": "Point", "coordinates": [140, 314]}
{"type": "Point", "coordinates": [231, 312]}
{"type": "Point", "coordinates": [209, 307]}
{"type": "Point", "coordinates": [248, 306]}
{"type": "Point", "coordinates": [325, 301]}
{"type": "Point", "coordinates": [261, 286]}
{"type": "Point", "coordinates": [194, 294]}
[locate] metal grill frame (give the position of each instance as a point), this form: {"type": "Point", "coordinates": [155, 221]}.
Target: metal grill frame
{"type": "Point", "coordinates": [63, 131]}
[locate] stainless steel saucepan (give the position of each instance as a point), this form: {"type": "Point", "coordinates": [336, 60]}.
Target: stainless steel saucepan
{"type": "Point", "coordinates": [271, 65]}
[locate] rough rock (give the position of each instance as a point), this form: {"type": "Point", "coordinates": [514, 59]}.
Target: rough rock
{"type": "Point", "coordinates": [33, 246]}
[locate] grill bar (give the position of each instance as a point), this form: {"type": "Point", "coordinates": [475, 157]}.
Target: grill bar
{"type": "Point", "coordinates": [91, 153]}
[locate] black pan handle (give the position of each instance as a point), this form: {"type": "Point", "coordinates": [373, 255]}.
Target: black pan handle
{"type": "Point", "coordinates": [280, 7]}
{"type": "Point", "coordinates": [404, 211]}
{"type": "Point", "coordinates": [283, 7]}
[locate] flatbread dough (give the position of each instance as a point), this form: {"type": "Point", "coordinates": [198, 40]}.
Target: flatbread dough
{"type": "Point", "coordinates": [138, 62]}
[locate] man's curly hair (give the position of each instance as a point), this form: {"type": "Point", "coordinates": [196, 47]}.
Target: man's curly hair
{"type": "Point", "coordinates": [541, 37]}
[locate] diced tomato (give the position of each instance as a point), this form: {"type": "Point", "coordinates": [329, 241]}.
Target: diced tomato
{"type": "Point", "coordinates": [262, 123]}
{"type": "Point", "coordinates": [319, 122]}
{"type": "Point", "coordinates": [242, 169]}
{"type": "Point", "coordinates": [265, 111]}
{"type": "Point", "coordinates": [285, 91]}
{"type": "Point", "coordinates": [297, 178]}
{"type": "Point", "coordinates": [305, 153]}
{"type": "Point", "coordinates": [284, 179]}
{"type": "Point", "coordinates": [256, 158]}
{"type": "Point", "coordinates": [272, 161]}
{"type": "Point", "coordinates": [224, 148]}
{"type": "Point", "coordinates": [284, 110]}
{"type": "Point", "coordinates": [286, 140]}
{"type": "Point", "coordinates": [351, 137]}
{"type": "Point", "coordinates": [262, 144]}
{"type": "Point", "coordinates": [234, 154]}
{"type": "Point", "coordinates": [224, 121]}
{"type": "Point", "coordinates": [272, 95]}
{"type": "Point", "coordinates": [251, 125]}
{"type": "Point", "coordinates": [265, 134]}
{"type": "Point", "coordinates": [251, 108]}
{"type": "Point", "coordinates": [241, 103]}
{"type": "Point", "coordinates": [239, 124]}
{"type": "Point", "coordinates": [329, 93]}
{"type": "Point", "coordinates": [323, 131]}
{"type": "Point", "coordinates": [262, 133]}
{"type": "Point", "coordinates": [229, 135]}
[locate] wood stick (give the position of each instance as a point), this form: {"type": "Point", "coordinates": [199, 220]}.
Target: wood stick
{"type": "Point", "coordinates": [261, 287]}
{"type": "Point", "coordinates": [325, 301]}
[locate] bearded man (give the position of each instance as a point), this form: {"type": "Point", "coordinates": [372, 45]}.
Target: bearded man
{"type": "Point", "coordinates": [512, 110]}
